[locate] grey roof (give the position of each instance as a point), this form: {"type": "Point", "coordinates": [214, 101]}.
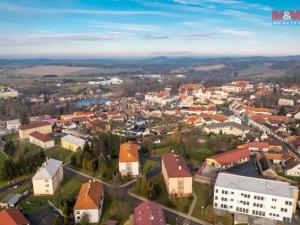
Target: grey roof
{"type": "Point", "coordinates": [256, 185]}
{"type": "Point", "coordinates": [75, 140]}
{"type": "Point", "coordinates": [227, 124]}
{"type": "Point", "coordinates": [48, 169]}
{"type": "Point", "coordinates": [11, 199]}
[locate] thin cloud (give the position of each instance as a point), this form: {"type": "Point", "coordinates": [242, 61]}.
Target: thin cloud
{"type": "Point", "coordinates": [36, 39]}
{"type": "Point", "coordinates": [240, 33]}
{"type": "Point", "coordinates": [122, 26]}
{"type": "Point", "coordinates": [155, 37]}
{"type": "Point", "coordinates": [25, 9]}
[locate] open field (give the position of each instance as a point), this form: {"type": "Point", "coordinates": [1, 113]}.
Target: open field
{"type": "Point", "coordinates": [261, 71]}
{"type": "Point", "coordinates": [116, 209]}
{"type": "Point", "coordinates": [59, 154]}
{"type": "Point", "coordinates": [53, 70]}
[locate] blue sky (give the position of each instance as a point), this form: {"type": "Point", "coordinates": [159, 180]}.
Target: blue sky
{"type": "Point", "coordinates": [144, 28]}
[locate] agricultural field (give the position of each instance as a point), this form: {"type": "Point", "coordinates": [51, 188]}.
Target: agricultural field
{"type": "Point", "coordinates": [261, 71]}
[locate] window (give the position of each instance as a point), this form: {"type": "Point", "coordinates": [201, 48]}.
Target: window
{"type": "Point", "coordinates": [217, 190]}
{"type": "Point", "coordinates": [283, 210]}
{"type": "Point", "coordinates": [288, 203]}
{"type": "Point", "coordinates": [216, 197]}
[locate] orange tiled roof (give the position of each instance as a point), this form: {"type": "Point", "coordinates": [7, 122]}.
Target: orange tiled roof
{"type": "Point", "coordinates": [129, 152]}
{"type": "Point", "coordinates": [90, 196]}
{"type": "Point", "coordinates": [220, 117]}
{"type": "Point", "coordinates": [12, 216]}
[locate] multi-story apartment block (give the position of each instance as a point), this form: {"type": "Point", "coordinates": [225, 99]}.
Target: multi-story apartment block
{"type": "Point", "coordinates": [129, 162]}
{"type": "Point", "coordinates": [72, 143]}
{"type": "Point", "coordinates": [89, 202]}
{"type": "Point", "coordinates": [227, 128]}
{"type": "Point", "coordinates": [42, 127]}
{"type": "Point", "coordinates": [177, 176]}
{"type": "Point", "coordinates": [256, 197]}
{"type": "Point", "coordinates": [41, 140]}
{"type": "Point", "coordinates": [48, 178]}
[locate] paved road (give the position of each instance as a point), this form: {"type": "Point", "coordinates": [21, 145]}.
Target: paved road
{"type": "Point", "coordinates": [123, 194]}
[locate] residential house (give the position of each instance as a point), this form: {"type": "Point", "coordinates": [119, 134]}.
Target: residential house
{"type": "Point", "coordinates": [13, 125]}
{"type": "Point", "coordinates": [41, 140]}
{"type": "Point", "coordinates": [48, 178]}
{"type": "Point", "coordinates": [227, 128]}
{"type": "Point", "coordinates": [255, 197]}
{"type": "Point", "coordinates": [291, 164]}
{"type": "Point", "coordinates": [42, 127]}
{"type": "Point", "coordinates": [13, 216]}
{"type": "Point", "coordinates": [72, 143]}
{"type": "Point", "coordinates": [177, 175]}
{"type": "Point", "coordinates": [89, 202]}
{"type": "Point", "coordinates": [229, 159]}
{"type": "Point", "coordinates": [129, 162]}
{"type": "Point", "coordinates": [149, 213]}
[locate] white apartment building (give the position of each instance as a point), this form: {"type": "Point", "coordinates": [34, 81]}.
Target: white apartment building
{"type": "Point", "coordinates": [256, 197]}
{"type": "Point", "coordinates": [48, 178]}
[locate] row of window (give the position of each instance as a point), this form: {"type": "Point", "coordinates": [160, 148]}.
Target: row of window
{"type": "Point", "coordinates": [243, 210]}
{"type": "Point", "coordinates": [258, 213]}
{"type": "Point", "coordinates": [257, 205]}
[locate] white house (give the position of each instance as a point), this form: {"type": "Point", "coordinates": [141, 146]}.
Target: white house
{"type": "Point", "coordinates": [255, 197]}
{"type": "Point", "coordinates": [13, 125]}
{"type": "Point", "coordinates": [129, 162]}
{"type": "Point", "coordinates": [89, 202]}
{"type": "Point", "coordinates": [48, 178]}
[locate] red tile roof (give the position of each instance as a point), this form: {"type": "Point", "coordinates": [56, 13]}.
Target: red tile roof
{"type": "Point", "coordinates": [231, 156]}
{"type": "Point", "coordinates": [258, 145]}
{"type": "Point", "coordinates": [149, 213]}
{"type": "Point", "coordinates": [42, 137]}
{"type": "Point", "coordinates": [129, 152]}
{"type": "Point", "coordinates": [12, 216]}
{"type": "Point", "coordinates": [90, 196]}
{"type": "Point", "coordinates": [34, 125]}
{"type": "Point", "coordinates": [175, 165]}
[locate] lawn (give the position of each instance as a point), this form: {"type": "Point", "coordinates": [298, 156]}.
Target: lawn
{"type": "Point", "coordinates": [33, 203]}
{"type": "Point", "coordinates": [149, 165]}
{"type": "Point", "coordinates": [162, 197]}
{"type": "Point", "coordinates": [204, 194]}
{"type": "Point", "coordinates": [59, 154]}
{"type": "Point", "coordinates": [195, 151]}
{"type": "Point", "coordinates": [116, 209]}
{"type": "Point", "coordinates": [70, 187]}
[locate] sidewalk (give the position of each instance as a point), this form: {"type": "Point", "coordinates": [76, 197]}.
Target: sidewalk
{"type": "Point", "coordinates": [172, 210]}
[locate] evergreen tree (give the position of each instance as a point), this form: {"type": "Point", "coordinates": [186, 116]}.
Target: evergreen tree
{"type": "Point", "coordinates": [24, 118]}
{"type": "Point", "coordinates": [10, 148]}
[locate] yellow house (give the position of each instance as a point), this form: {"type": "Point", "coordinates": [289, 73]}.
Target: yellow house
{"type": "Point", "coordinates": [72, 143]}
{"type": "Point", "coordinates": [42, 127]}
{"type": "Point", "coordinates": [177, 176]}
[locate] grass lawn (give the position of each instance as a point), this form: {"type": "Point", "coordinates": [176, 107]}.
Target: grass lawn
{"type": "Point", "coordinates": [59, 153]}
{"type": "Point", "coordinates": [70, 187]}
{"type": "Point", "coordinates": [33, 203]}
{"type": "Point", "coordinates": [149, 165]}
{"type": "Point", "coordinates": [2, 160]}
{"type": "Point", "coordinates": [116, 209]}
{"type": "Point", "coordinates": [204, 194]}
{"type": "Point", "coordinates": [179, 204]}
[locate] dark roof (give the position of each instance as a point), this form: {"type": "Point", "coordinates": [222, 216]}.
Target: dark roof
{"type": "Point", "coordinates": [12, 216]}
{"type": "Point", "coordinates": [175, 165]}
{"type": "Point", "coordinates": [34, 125]}
{"type": "Point", "coordinates": [41, 136]}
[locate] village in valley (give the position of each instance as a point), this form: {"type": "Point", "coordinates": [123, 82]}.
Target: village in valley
{"type": "Point", "coordinates": [182, 154]}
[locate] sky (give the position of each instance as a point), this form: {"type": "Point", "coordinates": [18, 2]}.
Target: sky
{"type": "Point", "coordinates": [144, 28]}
